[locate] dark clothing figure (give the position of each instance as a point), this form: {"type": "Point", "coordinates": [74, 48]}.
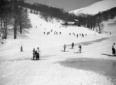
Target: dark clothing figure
{"type": "Point", "coordinates": [44, 33]}
{"type": "Point", "coordinates": [37, 55]}
{"type": "Point", "coordinates": [34, 56]}
{"type": "Point", "coordinates": [72, 45]}
{"type": "Point", "coordinates": [110, 33]}
{"type": "Point", "coordinates": [48, 33]}
{"type": "Point", "coordinates": [64, 48]}
{"type": "Point", "coordinates": [21, 49]}
{"type": "Point", "coordinates": [77, 35]}
{"type": "Point", "coordinates": [113, 49]}
{"type": "Point", "coordinates": [82, 35]}
{"type": "Point", "coordinates": [80, 48]}
{"type": "Point", "coordinates": [60, 33]}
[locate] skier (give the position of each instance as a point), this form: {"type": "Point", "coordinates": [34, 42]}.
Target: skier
{"type": "Point", "coordinates": [110, 33]}
{"type": "Point", "coordinates": [37, 54]}
{"type": "Point", "coordinates": [60, 33]}
{"type": "Point", "coordinates": [34, 56]}
{"type": "Point", "coordinates": [69, 33]}
{"type": "Point", "coordinates": [82, 35]}
{"type": "Point", "coordinates": [21, 48]}
{"type": "Point", "coordinates": [48, 33]}
{"type": "Point", "coordinates": [80, 48]}
{"type": "Point", "coordinates": [72, 45]}
{"type": "Point", "coordinates": [113, 49]}
{"type": "Point", "coordinates": [44, 33]}
{"type": "Point", "coordinates": [64, 48]}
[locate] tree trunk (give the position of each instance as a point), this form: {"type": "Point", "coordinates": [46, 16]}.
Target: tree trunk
{"type": "Point", "coordinates": [0, 23]}
{"type": "Point", "coordinates": [21, 28]}
{"type": "Point", "coordinates": [99, 27]}
{"type": "Point", "coordinates": [5, 29]}
{"type": "Point", "coordinates": [15, 28]}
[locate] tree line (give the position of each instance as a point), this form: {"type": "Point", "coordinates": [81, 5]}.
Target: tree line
{"type": "Point", "coordinates": [12, 14]}
{"type": "Point", "coordinates": [90, 21]}
{"type": "Point", "coordinates": [93, 21]}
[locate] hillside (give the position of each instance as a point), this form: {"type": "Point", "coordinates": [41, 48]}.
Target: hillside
{"type": "Point", "coordinates": [54, 32]}
{"type": "Point", "coordinates": [96, 7]}
{"type": "Point", "coordinates": [51, 12]}
{"type": "Point", "coordinates": [51, 32]}
{"type": "Point", "coordinates": [19, 68]}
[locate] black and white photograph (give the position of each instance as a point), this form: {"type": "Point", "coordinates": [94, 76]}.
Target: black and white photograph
{"type": "Point", "coordinates": [57, 42]}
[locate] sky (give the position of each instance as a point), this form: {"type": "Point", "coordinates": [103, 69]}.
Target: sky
{"type": "Point", "coordinates": [67, 5]}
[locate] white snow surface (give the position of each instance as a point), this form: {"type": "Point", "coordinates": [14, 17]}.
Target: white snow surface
{"type": "Point", "coordinates": [96, 7]}
{"type": "Point", "coordinates": [17, 68]}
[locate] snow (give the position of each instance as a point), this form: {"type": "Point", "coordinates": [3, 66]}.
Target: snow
{"type": "Point", "coordinates": [95, 8]}
{"type": "Point", "coordinates": [18, 68]}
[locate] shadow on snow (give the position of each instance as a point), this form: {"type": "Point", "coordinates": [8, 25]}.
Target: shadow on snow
{"type": "Point", "coordinates": [101, 66]}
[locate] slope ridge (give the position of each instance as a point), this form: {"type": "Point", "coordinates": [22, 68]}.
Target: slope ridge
{"type": "Point", "coordinates": [96, 7]}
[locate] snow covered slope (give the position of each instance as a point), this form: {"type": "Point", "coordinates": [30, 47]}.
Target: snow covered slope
{"type": "Point", "coordinates": [54, 31]}
{"type": "Point", "coordinates": [96, 7]}
{"type": "Point", "coordinates": [48, 35]}
{"type": "Point", "coordinates": [17, 68]}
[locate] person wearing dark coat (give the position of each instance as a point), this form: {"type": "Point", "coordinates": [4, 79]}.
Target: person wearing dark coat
{"type": "Point", "coordinates": [72, 45]}
{"type": "Point", "coordinates": [37, 55]}
{"type": "Point", "coordinates": [34, 56]}
{"type": "Point", "coordinates": [80, 48]}
{"type": "Point", "coordinates": [77, 35]}
{"type": "Point", "coordinates": [64, 48]}
{"type": "Point", "coordinates": [113, 49]}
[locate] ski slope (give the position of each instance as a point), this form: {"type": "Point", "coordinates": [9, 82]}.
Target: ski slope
{"type": "Point", "coordinates": [18, 68]}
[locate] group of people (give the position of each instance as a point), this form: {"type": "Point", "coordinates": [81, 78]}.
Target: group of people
{"type": "Point", "coordinates": [77, 35]}
{"type": "Point", "coordinates": [36, 54]}
{"type": "Point", "coordinates": [72, 46]}
{"type": "Point", "coordinates": [59, 33]}
{"type": "Point", "coordinates": [80, 48]}
{"type": "Point", "coordinates": [55, 33]}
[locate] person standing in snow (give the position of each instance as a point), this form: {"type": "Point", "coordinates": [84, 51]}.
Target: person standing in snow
{"type": "Point", "coordinates": [77, 35]}
{"type": "Point", "coordinates": [21, 48]}
{"type": "Point", "coordinates": [37, 54]}
{"type": "Point", "coordinates": [64, 48]}
{"type": "Point", "coordinates": [72, 45]}
{"type": "Point", "coordinates": [80, 48]}
{"type": "Point", "coordinates": [113, 49]}
{"type": "Point", "coordinates": [82, 35]}
{"type": "Point", "coordinates": [34, 56]}
{"type": "Point", "coordinates": [44, 33]}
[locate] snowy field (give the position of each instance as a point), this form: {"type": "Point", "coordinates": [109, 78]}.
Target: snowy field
{"type": "Point", "coordinates": [18, 68]}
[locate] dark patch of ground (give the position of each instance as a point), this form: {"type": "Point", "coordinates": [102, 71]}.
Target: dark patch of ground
{"type": "Point", "coordinates": [101, 66]}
